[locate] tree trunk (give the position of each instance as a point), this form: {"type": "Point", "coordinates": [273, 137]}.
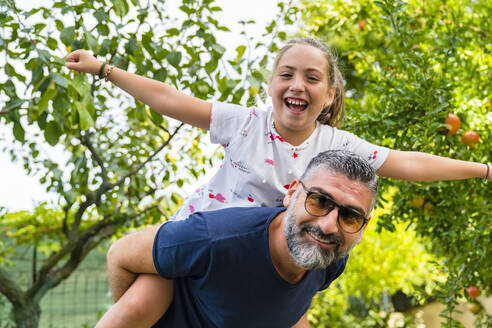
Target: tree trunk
{"type": "Point", "coordinates": [26, 315]}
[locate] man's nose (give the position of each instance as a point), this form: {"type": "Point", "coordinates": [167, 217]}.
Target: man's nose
{"type": "Point", "coordinates": [329, 222]}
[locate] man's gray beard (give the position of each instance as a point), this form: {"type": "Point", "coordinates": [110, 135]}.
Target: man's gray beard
{"type": "Point", "coordinates": [309, 255]}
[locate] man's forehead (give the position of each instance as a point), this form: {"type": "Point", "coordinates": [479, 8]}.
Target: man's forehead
{"type": "Point", "coordinates": [339, 186]}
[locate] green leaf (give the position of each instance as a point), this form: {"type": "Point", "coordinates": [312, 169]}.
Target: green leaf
{"type": "Point", "coordinates": [131, 46]}
{"type": "Point", "coordinates": [186, 9]}
{"type": "Point", "coordinates": [218, 48]}
{"type": "Point", "coordinates": [85, 119]}
{"type": "Point", "coordinates": [44, 55]}
{"type": "Point", "coordinates": [67, 35]}
{"type": "Point", "coordinates": [105, 47]}
{"type": "Point", "coordinates": [160, 75]}
{"type": "Point", "coordinates": [16, 103]}
{"type": "Point", "coordinates": [254, 82]}
{"type": "Point", "coordinates": [44, 100]}
{"type": "Point", "coordinates": [120, 7]}
{"type": "Point", "coordinates": [156, 118]}
{"type": "Point", "coordinates": [91, 40]}
{"type": "Point", "coordinates": [59, 80]}
{"type": "Point", "coordinates": [172, 31]}
{"type": "Point", "coordinates": [52, 43]}
{"type": "Point", "coordinates": [101, 15]}
{"type": "Point", "coordinates": [52, 133]}
{"type": "Point", "coordinates": [240, 52]}
{"type": "Point", "coordinates": [174, 58]}
{"type": "Point", "coordinates": [19, 132]}
{"type": "Point", "coordinates": [211, 66]}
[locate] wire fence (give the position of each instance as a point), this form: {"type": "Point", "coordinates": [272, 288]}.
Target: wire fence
{"type": "Point", "coordinates": [77, 302]}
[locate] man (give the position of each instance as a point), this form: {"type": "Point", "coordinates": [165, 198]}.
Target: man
{"type": "Point", "coordinates": [251, 267]}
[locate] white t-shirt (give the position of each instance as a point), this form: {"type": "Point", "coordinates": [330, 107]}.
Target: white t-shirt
{"type": "Point", "coordinates": [259, 165]}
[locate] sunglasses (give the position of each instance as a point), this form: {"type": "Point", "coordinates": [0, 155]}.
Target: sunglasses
{"type": "Point", "coordinates": [320, 204]}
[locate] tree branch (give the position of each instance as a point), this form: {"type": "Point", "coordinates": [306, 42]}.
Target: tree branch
{"type": "Point", "coordinates": [87, 142]}
{"type": "Point", "coordinates": [9, 288]}
{"type": "Point", "coordinates": [139, 167]}
{"type": "Point", "coordinates": [50, 276]}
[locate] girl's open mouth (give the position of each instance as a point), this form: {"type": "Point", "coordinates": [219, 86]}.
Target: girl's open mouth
{"type": "Point", "coordinates": [296, 105]}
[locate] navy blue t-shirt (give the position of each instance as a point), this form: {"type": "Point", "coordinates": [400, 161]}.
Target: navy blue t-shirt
{"type": "Point", "coordinates": [224, 276]}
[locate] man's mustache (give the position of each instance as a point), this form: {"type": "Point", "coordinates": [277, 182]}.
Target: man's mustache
{"type": "Point", "coordinates": [316, 231]}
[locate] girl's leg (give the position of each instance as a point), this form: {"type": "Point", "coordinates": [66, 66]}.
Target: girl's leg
{"type": "Point", "coordinates": [142, 305]}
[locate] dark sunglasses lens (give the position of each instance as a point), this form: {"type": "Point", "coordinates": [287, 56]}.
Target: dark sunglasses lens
{"type": "Point", "coordinates": [350, 220]}
{"type": "Point", "coordinates": [318, 204]}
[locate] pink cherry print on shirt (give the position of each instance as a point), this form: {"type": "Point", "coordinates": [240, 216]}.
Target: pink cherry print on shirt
{"type": "Point", "coordinates": [192, 209]}
{"type": "Point", "coordinates": [251, 199]}
{"type": "Point", "coordinates": [269, 161]}
{"type": "Point", "coordinates": [220, 198]}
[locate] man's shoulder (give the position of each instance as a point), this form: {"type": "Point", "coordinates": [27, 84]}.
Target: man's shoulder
{"type": "Point", "coordinates": [203, 228]}
{"type": "Point", "coordinates": [236, 221]}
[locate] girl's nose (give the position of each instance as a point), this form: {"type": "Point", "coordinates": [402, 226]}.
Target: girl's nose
{"type": "Point", "coordinates": [297, 84]}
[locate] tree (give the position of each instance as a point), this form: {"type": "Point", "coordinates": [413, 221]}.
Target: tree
{"type": "Point", "coordinates": [407, 65]}
{"type": "Point", "coordinates": [113, 154]}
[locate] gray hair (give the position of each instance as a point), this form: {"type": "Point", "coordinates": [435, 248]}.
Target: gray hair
{"type": "Point", "coordinates": [347, 163]}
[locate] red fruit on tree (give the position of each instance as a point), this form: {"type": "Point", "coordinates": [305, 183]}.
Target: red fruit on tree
{"type": "Point", "coordinates": [417, 202]}
{"type": "Point", "coordinates": [452, 124]}
{"type": "Point", "coordinates": [473, 291]}
{"type": "Point", "coordinates": [362, 24]}
{"type": "Point", "coordinates": [470, 138]}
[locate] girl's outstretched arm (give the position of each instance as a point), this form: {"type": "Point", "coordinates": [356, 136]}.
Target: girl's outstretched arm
{"type": "Point", "coordinates": [159, 96]}
{"type": "Point", "coordinates": [416, 166]}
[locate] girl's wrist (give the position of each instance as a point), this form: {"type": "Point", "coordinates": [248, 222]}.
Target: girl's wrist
{"type": "Point", "coordinates": [100, 72]}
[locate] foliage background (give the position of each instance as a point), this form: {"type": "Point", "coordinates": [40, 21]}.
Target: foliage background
{"type": "Point", "coordinates": [407, 65]}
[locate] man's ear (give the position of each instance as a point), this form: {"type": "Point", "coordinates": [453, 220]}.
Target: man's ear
{"type": "Point", "coordinates": [364, 228]}
{"type": "Point", "coordinates": [290, 192]}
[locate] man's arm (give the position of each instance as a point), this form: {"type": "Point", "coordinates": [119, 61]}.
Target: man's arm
{"type": "Point", "coordinates": [302, 323]}
{"type": "Point", "coordinates": [128, 257]}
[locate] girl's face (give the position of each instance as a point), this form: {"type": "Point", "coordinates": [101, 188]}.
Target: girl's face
{"type": "Point", "coordinates": [299, 90]}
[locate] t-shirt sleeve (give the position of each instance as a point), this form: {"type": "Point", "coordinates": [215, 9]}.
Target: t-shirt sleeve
{"type": "Point", "coordinates": [374, 154]}
{"type": "Point", "coordinates": [182, 248]}
{"type": "Point", "coordinates": [226, 121]}
{"type": "Point", "coordinates": [333, 272]}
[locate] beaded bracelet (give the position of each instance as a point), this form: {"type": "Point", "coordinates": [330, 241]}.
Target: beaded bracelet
{"type": "Point", "coordinates": [106, 75]}
{"type": "Point", "coordinates": [487, 175]}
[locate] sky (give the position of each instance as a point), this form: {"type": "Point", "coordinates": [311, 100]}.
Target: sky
{"type": "Point", "coordinates": [18, 191]}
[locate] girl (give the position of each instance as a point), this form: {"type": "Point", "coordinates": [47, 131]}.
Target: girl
{"type": "Point", "coordinates": [266, 149]}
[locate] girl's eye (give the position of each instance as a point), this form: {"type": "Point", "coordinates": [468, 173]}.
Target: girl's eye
{"type": "Point", "coordinates": [285, 75]}
{"type": "Point", "coordinates": [313, 78]}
